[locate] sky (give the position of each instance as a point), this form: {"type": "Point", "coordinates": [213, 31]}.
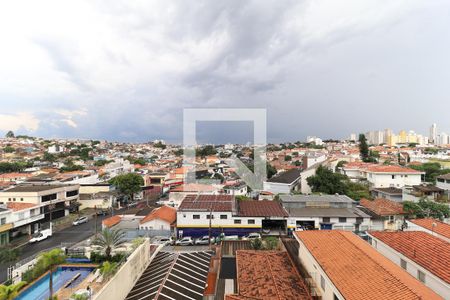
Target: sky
{"type": "Point", "coordinates": [125, 70]}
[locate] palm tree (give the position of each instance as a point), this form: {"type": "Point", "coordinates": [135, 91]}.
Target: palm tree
{"type": "Point", "coordinates": [51, 260]}
{"type": "Point", "coordinates": [109, 239]}
{"type": "Point", "coordinates": [10, 292]}
{"type": "Point", "coordinates": [108, 269]}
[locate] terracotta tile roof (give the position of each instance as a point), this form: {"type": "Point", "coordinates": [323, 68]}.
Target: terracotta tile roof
{"type": "Point", "coordinates": [268, 275]}
{"type": "Point", "coordinates": [357, 270]}
{"type": "Point", "coordinates": [166, 213]}
{"type": "Point", "coordinates": [207, 202]}
{"type": "Point", "coordinates": [264, 208]}
{"type": "Point", "coordinates": [111, 221]}
{"type": "Point", "coordinates": [391, 169]}
{"type": "Point", "coordinates": [382, 207]}
{"type": "Point", "coordinates": [16, 206]}
{"type": "Point", "coordinates": [440, 228]}
{"type": "Point", "coordinates": [430, 252]}
{"type": "Point", "coordinates": [15, 175]}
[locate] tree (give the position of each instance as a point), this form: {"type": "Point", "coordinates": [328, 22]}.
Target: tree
{"type": "Point", "coordinates": [206, 151]}
{"type": "Point", "coordinates": [363, 148]}
{"type": "Point", "coordinates": [50, 260]}
{"type": "Point", "coordinates": [49, 157]}
{"type": "Point", "coordinates": [288, 158]}
{"type": "Point", "coordinates": [426, 209]}
{"type": "Point", "coordinates": [10, 292]}
{"type": "Point", "coordinates": [8, 255]}
{"type": "Point", "coordinates": [256, 244]}
{"type": "Point", "coordinates": [340, 164]}
{"type": "Point", "coordinates": [9, 149]}
{"type": "Point", "coordinates": [432, 170]}
{"type": "Point", "coordinates": [9, 134]}
{"type": "Point", "coordinates": [128, 184]}
{"type": "Point", "coordinates": [109, 239]}
{"type": "Point", "coordinates": [108, 269]}
{"type": "Point", "coordinates": [325, 181]}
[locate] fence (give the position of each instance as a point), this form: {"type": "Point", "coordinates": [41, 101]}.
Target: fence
{"type": "Point", "coordinates": [135, 233]}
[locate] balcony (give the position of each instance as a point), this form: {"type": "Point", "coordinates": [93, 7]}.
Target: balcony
{"type": "Point", "coordinates": [6, 227]}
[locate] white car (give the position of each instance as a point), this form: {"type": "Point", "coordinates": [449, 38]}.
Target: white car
{"type": "Point", "coordinates": [252, 236]}
{"type": "Point", "coordinates": [40, 235]}
{"type": "Point", "coordinates": [164, 240]}
{"type": "Point", "coordinates": [186, 241]}
{"type": "Point", "coordinates": [204, 240]}
{"type": "Point", "coordinates": [80, 221]}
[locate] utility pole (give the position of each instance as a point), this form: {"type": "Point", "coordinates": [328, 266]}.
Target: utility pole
{"type": "Point", "coordinates": [95, 218]}
{"type": "Point", "coordinates": [209, 231]}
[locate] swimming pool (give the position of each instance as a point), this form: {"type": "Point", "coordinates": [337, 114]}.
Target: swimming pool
{"type": "Point", "coordinates": [40, 290]}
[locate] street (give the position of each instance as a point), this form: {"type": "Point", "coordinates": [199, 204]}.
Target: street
{"type": "Point", "coordinates": [73, 234]}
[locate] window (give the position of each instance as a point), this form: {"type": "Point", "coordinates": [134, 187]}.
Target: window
{"type": "Point", "coordinates": [208, 216]}
{"type": "Point", "coordinates": [342, 220]}
{"type": "Point", "coordinates": [237, 221]}
{"type": "Point", "coordinates": [391, 219]}
{"type": "Point", "coordinates": [9, 199]}
{"type": "Point", "coordinates": [393, 176]}
{"type": "Point", "coordinates": [374, 244]}
{"type": "Point", "coordinates": [195, 217]}
{"type": "Point", "coordinates": [251, 221]}
{"type": "Point", "coordinates": [14, 199]}
{"type": "Point", "coordinates": [2, 221]}
{"type": "Point", "coordinates": [421, 276]}
{"type": "Point", "coordinates": [403, 264]}
{"type": "Point", "coordinates": [21, 216]}
{"type": "Point", "coordinates": [21, 199]}
{"type": "Point", "coordinates": [326, 220]}
{"type": "Point", "coordinates": [49, 197]}
{"type": "Point", "coordinates": [359, 220]}
{"type": "Point", "coordinates": [71, 193]}
{"type": "Point", "coordinates": [322, 283]}
{"type": "Point", "coordinates": [223, 217]}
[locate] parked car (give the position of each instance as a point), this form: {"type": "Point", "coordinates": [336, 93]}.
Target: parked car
{"type": "Point", "coordinates": [40, 235]}
{"type": "Point", "coordinates": [164, 240]}
{"type": "Point", "coordinates": [204, 240]}
{"type": "Point", "coordinates": [102, 212]}
{"type": "Point", "coordinates": [252, 236]}
{"type": "Point", "coordinates": [80, 221]}
{"type": "Point", "coordinates": [186, 241]}
{"type": "Point", "coordinates": [132, 204]}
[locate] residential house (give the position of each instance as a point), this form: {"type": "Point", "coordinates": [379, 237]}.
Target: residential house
{"type": "Point", "coordinates": [422, 255]}
{"type": "Point", "coordinates": [283, 183]}
{"type": "Point", "coordinates": [161, 218]}
{"type": "Point", "coordinates": [382, 176]}
{"type": "Point", "coordinates": [390, 193]}
{"type": "Point", "coordinates": [423, 191]}
{"type": "Point", "coordinates": [58, 199]}
{"type": "Point", "coordinates": [443, 182]}
{"type": "Point", "coordinates": [434, 227]}
{"type": "Point", "coordinates": [385, 214]}
{"type": "Point", "coordinates": [100, 195]}
{"type": "Point", "coordinates": [5, 225]}
{"type": "Point", "coordinates": [324, 212]}
{"type": "Point", "coordinates": [344, 266]}
{"type": "Point", "coordinates": [238, 189]}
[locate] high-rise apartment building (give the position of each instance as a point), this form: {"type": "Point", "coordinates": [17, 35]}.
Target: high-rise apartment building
{"type": "Point", "coordinates": [433, 134]}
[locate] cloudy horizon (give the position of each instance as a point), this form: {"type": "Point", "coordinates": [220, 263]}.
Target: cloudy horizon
{"type": "Point", "coordinates": [125, 70]}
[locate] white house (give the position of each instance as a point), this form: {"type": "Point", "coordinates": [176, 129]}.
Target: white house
{"type": "Point", "coordinates": [422, 255]}
{"type": "Point", "coordinates": [283, 183]}
{"type": "Point", "coordinates": [382, 176]}
{"type": "Point", "coordinates": [161, 218]}
{"type": "Point", "coordinates": [443, 182]}
{"type": "Point", "coordinates": [343, 266]}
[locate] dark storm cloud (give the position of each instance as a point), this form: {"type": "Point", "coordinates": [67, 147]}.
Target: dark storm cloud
{"type": "Point", "coordinates": [125, 71]}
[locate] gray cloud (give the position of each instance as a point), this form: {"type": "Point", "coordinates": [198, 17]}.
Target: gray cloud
{"type": "Point", "coordinates": [324, 68]}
